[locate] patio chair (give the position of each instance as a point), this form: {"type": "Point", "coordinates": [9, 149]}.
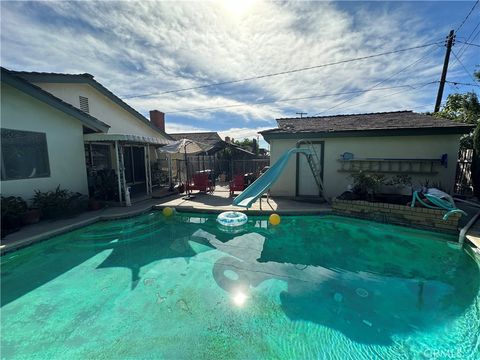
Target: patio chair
{"type": "Point", "coordinates": [200, 182]}
{"type": "Point", "coordinates": [237, 184]}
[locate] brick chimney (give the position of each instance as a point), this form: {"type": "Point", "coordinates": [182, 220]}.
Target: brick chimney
{"type": "Point", "coordinates": [157, 118]}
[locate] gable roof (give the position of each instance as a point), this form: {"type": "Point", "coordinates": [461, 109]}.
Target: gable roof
{"type": "Point", "coordinates": [9, 77]}
{"type": "Point", "coordinates": [86, 78]}
{"type": "Point", "coordinates": [210, 138]}
{"type": "Point", "coordinates": [372, 124]}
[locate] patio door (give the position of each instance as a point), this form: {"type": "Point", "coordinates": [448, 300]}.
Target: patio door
{"type": "Point", "coordinates": [134, 159]}
{"type": "Point", "coordinates": [305, 182]}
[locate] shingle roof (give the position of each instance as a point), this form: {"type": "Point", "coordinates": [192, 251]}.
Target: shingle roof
{"type": "Point", "coordinates": [384, 121]}
{"type": "Point", "coordinates": [87, 79]}
{"type": "Point", "coordinates": [11, 78]}
{"type": "Point", "coordinates": [210, 138]}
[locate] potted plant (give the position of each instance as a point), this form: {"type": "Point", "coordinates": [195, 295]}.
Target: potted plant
{"type": "Point", "coordinates": [94, 204]}
{"type": "Point", "coordinates": [31, 216]}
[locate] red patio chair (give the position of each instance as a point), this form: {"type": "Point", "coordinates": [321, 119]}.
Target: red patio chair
{"type": "Point", "coordinates": [237, 184]}
{"type": "Point", "coordinates": [200, 182]}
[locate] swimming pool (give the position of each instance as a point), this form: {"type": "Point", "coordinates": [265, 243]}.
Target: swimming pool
{"type": "Point", "coordinates": [315, 287]}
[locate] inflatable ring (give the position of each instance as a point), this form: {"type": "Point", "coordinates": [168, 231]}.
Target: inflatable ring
{"type": "Point", "coordinates": [232, 219]}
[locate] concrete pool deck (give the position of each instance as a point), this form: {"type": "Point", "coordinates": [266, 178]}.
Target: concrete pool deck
{"type": "Point", "coordinates": [220, 201]}
{"type": "Point", "coordinates": [217, 202]}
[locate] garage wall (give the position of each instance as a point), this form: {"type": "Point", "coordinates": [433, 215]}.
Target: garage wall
{"type": "Point", "coordinates": [64, 133]}
{"type": "Point", "coordinates": [432, 146]}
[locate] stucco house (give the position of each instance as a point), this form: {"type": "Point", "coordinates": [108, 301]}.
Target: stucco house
{"type": "Point", "coordinates": [61, 129]}
{"type": "Point", "coordinates": [402, 142]}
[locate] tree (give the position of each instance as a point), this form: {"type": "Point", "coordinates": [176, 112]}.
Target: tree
{"type": "Point", "coordinates": [248, 144]}
{"type": "Point", "coordinates": [465, 108]}
{"type": "Point", "coordinates": [462, 107]}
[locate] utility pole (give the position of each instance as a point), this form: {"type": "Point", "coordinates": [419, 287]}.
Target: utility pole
{"type": "Point", "coordinates": [301, 114]}
{"type": "Point", "coordinates": [449, 44]}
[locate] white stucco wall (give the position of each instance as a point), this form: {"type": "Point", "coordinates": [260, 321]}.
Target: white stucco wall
{"type": "Point", "coordinates": [369, 147]}
{"type": "Point", "coordinates": [101, 107]}
{"type": "Point", "coordinates": [64, 141]}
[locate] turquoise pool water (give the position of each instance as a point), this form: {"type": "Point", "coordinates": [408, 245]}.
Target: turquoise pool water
{"type": "Point", "coordinates": [315, 287]}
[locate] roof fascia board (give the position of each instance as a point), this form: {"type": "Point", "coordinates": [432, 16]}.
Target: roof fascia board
{"type": "Point", "coordinates": [459, 130]}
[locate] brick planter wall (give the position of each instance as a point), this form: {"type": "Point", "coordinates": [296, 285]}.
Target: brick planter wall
{"type": "Point", "coordinates": [423, 218]}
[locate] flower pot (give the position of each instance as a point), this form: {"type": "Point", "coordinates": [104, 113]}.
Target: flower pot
{"type": "Point", "coordinates": [32, 216]}
{"type": "Point", "coordinates": [94, 204]}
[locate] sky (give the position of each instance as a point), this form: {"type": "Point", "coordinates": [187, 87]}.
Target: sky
{"type": "Point", "coordinates": [146, 51]}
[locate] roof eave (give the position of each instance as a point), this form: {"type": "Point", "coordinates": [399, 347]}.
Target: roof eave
{"type": "Point", "coordinates": [459, 130]}
{"type": "Point", "coordinates": [44, 96]}
{"type": "Point", "coordinates": [88, 79]}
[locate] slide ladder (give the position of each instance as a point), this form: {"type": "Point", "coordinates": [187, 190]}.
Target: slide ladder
{"type": "Point", "coordinates": [264, 182]}
{"type": "Point", "coordinates": [314, 162]}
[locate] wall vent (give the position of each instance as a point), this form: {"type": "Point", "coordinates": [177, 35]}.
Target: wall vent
{"type": "Point", "coordinates": [84, 104]}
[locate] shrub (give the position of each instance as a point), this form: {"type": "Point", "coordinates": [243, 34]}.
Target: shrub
{"type": "Point", "coordinates": [367, 184]}
{"type": "Point", "coordinates": [106, 185]}
{"type": "Point", "coordinates": [13, 209]}
{"type": "Point", "coordinates": [58, 203]}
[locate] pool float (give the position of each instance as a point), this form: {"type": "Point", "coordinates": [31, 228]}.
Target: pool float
{"type": "Point", "coordinates": [274, 219]}
{"type": "Point", "coordinates": [232, 219]}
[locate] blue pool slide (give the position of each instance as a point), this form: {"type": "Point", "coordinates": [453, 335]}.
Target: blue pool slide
{"type": "Point", "coordinates": [264, 182]}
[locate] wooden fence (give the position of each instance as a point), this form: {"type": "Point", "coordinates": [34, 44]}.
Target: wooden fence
{"type": "Point", "coordinates": [463, 178]}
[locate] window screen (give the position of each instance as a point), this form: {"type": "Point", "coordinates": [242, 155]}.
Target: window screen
{"type": "Point", "coordinates": [24, 155]}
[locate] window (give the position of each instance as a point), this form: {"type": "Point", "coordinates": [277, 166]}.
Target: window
{"type": "Point", "coordinates": [24, 155]}
{"type": "Point", "coordinates": [101, 157]}
{"type": "Point", "coordinates": [84, 104]}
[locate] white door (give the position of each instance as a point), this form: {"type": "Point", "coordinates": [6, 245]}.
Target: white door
{"type": "Point", "coordinates": [306, 185]}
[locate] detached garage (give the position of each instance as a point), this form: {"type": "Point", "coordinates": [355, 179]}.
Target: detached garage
{"type": "Point", "coordinates": [403, 142]}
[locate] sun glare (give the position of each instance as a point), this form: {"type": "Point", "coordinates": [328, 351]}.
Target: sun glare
{"type": "Point", "coordinates": [238, 7]}
{"type": "Point", "coordinates": [239, 298]}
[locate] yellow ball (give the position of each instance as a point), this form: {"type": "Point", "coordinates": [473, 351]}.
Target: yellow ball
{"type": "Point", "coordinates": [167, 212]}
{"type": "Point", "coordinates": [274, 219]}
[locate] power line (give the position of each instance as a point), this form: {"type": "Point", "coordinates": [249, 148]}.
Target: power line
{"type": "Point", "coordinates": [463, 66]}
{"type": "Point", "coordinates": [377, 84]}
{"type": "Point", "coordinates": [393, 94]}
{"type": "Point", "coordinates": [294, 99]}
{"type": "Point", "coordinates": [470, 44]}
{"type": "Point", "coordinates": [468, 15]}
{"type": "Point", "coordinates": [461, 83]}
{"type": "Point", "coordinates": [464, 47]}
{"type": "Point", "coordinates": [282, 72]}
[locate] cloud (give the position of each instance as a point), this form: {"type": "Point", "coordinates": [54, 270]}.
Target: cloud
{"type": "Point", "coordinates": [242, 133]}
{"type": "Point", "coordinates": [173, 128]}
{"type": "Point", "coordinates": [153, 47]}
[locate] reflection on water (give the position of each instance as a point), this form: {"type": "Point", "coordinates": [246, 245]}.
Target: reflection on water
{"type": "Point", "coordinates": [372, 283]}
{"type": "Point", "coordinates": [366, 282]}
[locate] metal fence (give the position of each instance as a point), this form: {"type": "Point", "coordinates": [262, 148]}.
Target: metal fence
{"type": "Point", "coordinates": [463, 178]}
{"type": "Point", "coordinates": [224, 170]}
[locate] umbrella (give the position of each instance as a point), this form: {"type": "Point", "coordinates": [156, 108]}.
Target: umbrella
{"type": "Point", "coordinates": [185, 146]}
